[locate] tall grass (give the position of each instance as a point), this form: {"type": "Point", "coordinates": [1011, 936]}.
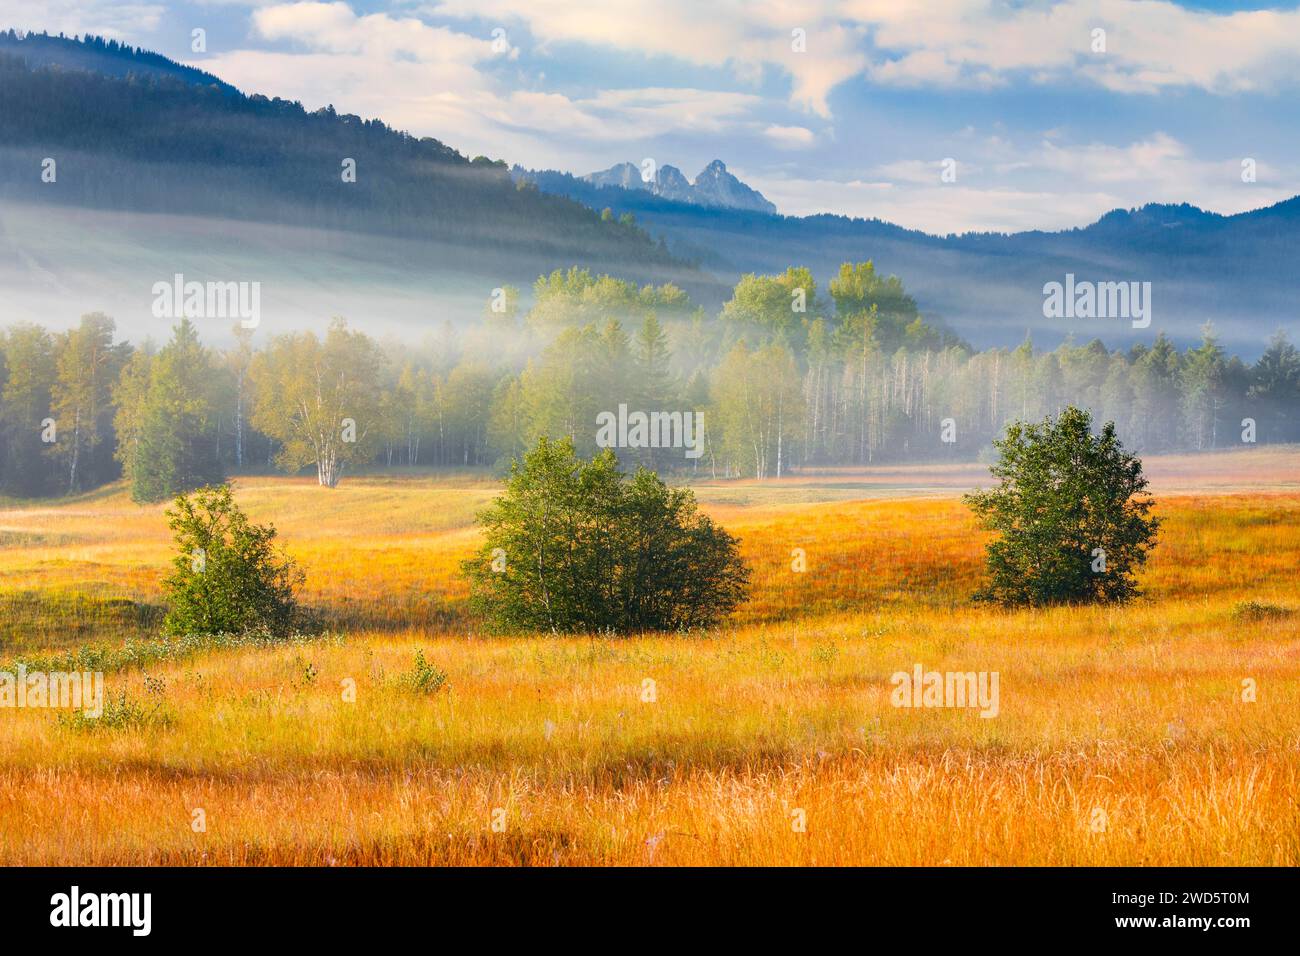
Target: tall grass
{"type": "Point", "coordinates": [1125, 735]}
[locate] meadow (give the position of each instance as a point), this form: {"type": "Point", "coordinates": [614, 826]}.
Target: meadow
{"type": "Point", "coordinates": [1124, 736]}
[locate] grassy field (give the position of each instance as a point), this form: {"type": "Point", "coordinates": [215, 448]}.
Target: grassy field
{"type": "Point", "coordinates": [1122, 735]}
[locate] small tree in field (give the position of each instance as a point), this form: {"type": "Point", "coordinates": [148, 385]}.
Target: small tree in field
{"type": "Point", "coordinates": [1070, 512]}
{"type": "Point", "coordinates": [227, 577]}
{"type": "Point", "coordinates": [576, 545]}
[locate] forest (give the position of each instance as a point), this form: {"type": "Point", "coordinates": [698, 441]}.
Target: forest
{"type": "Point", "coordinates": [784, 377]}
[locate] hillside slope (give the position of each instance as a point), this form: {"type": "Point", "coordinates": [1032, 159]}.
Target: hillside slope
{"type": "Point", "coordinates": [131, 134]}
{"type": "Point", "coordinates": [1237, 271]}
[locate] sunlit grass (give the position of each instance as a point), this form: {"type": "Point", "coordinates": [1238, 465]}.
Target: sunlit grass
{"type": "Point", "coordinates": [1135, 712]}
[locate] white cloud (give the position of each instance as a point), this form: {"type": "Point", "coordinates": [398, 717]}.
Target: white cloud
{"type": "Point", "coordinates": [790, 137]}
{"type": "Point", "coordinates": [415, 76]}
{"type": "Point", "coordinates": [106, 18]}
{"type": "Point", "coordinates": [1149, 44]}
{"type": "Point", "coordinates": [423, 68]}
{"type": "Point", "coordinates": [924, 172]}
{"type": "Point", "coordinates": [625, 115]}
{"type": "Point", "coordinates": [335, 28]}
{"type": "Point", "coordinates": [745, 37]}
{"type": "Point", "coordinates": [431, 80]}
{"type": "Point", "coordinates": [1045, 186]}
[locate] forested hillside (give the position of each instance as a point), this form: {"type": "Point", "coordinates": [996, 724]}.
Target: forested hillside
{"type": "Point", "coordinates": [96, 126]}
{"type": "Point", "coordinates": [810, 361]}
{"type": "Point", "coordinates": [1236, 270]}
{"type": "Point", "coordinates": [129, 130]}
{"type": "Point", "coordinates": [101, 55]}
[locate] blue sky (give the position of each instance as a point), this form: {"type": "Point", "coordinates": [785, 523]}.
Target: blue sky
{"type": "Point", "coordinates": [1049, 123]}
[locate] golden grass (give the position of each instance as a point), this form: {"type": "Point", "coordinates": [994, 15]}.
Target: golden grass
{"type": "Point", "coordinates": [1134, 712]}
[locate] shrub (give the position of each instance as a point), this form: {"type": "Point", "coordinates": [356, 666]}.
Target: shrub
{"type": "Point", "coordinates": [1070, 513]}
{"type": "Point", "coordinates": [227, 577]}
{"type": "Point", "coordinates": [1257, 611]}
{"type": "Point", "coordinates": [576, 545]}
{"type": "Point", "coordinates": [425, 678]}
{"type": "Point", "coordinates": [123, 712]}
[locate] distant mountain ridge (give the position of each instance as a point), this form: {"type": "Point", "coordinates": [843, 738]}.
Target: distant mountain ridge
{"type": "Point", "coordinates": [136, 133]}
{"type": "Point", "coordinates": [131, 132]}
{"type": "Point", "coordinates": [1237, 271]}
{"type": "Point", "coordinates": [714, 187]}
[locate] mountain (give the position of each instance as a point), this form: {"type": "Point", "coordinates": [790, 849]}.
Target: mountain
{"type": "Point", "coordinates": [714, 187]}
{"type": "Point", "coordinates": [1235, 271]}
{"type": "Point", "coordinates": [101, 136]}
{"type": "Point", "coordinates": [158, 168]}
{"type": "Point", "coordinates": [671, 184]}
{"type": "Point", "coordinates": [621, 176]}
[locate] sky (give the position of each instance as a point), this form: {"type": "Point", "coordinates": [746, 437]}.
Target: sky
{"type": "Point", "coordinates": [941, 115]}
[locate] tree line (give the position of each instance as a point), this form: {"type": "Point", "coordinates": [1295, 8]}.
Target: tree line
{"type": "Point", "coordinates": [783, 377]}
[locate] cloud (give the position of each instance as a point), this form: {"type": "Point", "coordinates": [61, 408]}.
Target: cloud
{"type": "Point", "coordinates": [790, 137]}
{"type": "Point", "coordinates": [433, 80]}
{"type": "Point", "coordinates": [923, 172]}
{"type": "Point", "coordinates": [415, 76]}
{"type": "Point", "coordinates": [1159, 158]}
{"type": "Point", "coordinates": [729, 80]}
{"type": "Point", "coordinates": [107, 18]}
{"type": "Point", "coordinates": [743, 36]}
{"type": "Point", "coordinates": [625, 115]}
{"type": "Point", "coordinates": [1047, 185]}
{"type": "Point", "coordinates": [1149, 45]}
{"type": "Point", "coordinates": [335, 28]}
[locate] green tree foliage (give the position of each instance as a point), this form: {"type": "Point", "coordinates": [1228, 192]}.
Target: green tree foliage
{"type": "Point", "coordinates": [581, 373]}
{"type": "Point", "coordinates": [843, 384]}
{"type": "Point", "coordinates": [773, 306]}
{"type": "Point", "coordinates": [1070, 513]}
{"type": "Point", "coordinates": [574, 297]}
{"type": "Point", "coordinates": [653, 361]}
{"type": "Point", "coordinates": [508, 425]}
{"type": "Point", "coordinates": [28, 352]}
{"type": "Point", "coordinates": [321, 401]}
{"type": "Point", "coordinates": [1202, 390]}
{"type": "Point", "coordinates": [869, 306]}
{"type": "Point", "coordinates": [576, 545]}
{"type": "Point", "coordinates": [758, 409]}
{"type": "Point", "coordinates": [227, 576]}
{"type": "Point", "coordinates": [468, 412]}
{"type": "Point", "coordinates": [654, 384]}
{"type": "Point", "coordinates": [167, 419]}
{"type": "Point", "coordinates": [87, 365]}
{"type": "Point", "coordinates": [857, 287]}
{"type": "Point", "coordinates": [414, 411]}
{"type": "Point", "coordinates": [1275, 386]}
{"type": "Point", "coordinates": [1157, 405]}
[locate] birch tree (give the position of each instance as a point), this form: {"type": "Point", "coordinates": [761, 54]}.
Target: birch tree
{"type": "Point", "coordinates": [320, 399]}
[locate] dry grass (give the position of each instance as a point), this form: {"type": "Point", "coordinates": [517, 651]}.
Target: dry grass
{"type": "Point", "coordinates": [1135, 712]}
